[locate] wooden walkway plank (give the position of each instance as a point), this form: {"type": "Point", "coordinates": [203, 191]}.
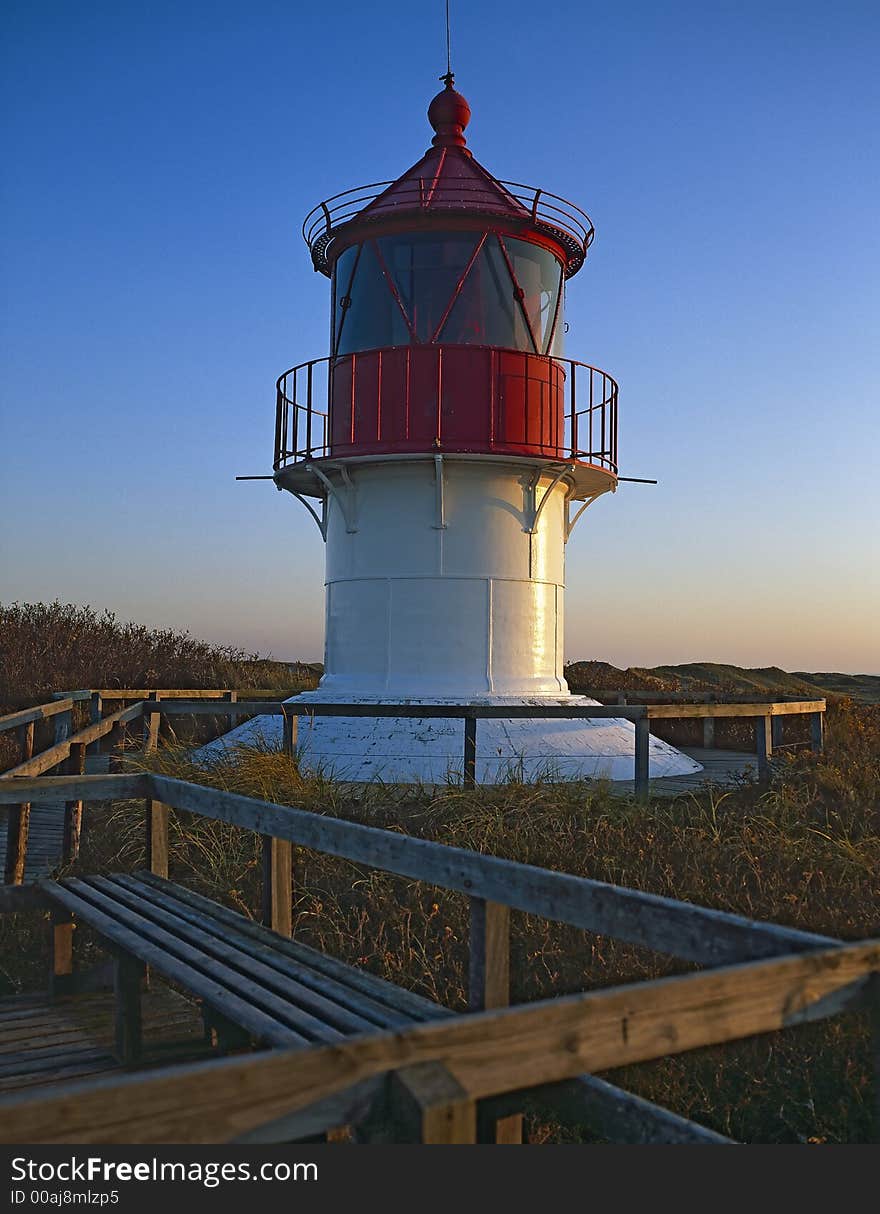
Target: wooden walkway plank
{"type": "Point", "coordinates": [369, 1009]}
{"type": "Point", "coordinates": [195, 980]}
{"type": "Point", "coordinates": [164, 914]}
{"type": "Point", "coordinates": [414, 1007]}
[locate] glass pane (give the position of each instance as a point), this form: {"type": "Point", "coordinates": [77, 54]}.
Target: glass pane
{"type": "Point", "coordinates": [426, 268]}
{"type": "Point", "coordinates": [539, 275]}
{"type": "Point", "coordinates": [373, 318]}
{"type": "Point", "coordinates": [486, 312]}
{"type": "Point", "coordinates": [341, 286]}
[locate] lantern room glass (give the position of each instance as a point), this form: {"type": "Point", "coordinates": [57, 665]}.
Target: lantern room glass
{"type": "Point", "coordinates": [453, 288]}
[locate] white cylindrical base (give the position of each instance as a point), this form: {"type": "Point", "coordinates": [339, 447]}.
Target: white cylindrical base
{"type": "Point", "coordinates": [445, 578]}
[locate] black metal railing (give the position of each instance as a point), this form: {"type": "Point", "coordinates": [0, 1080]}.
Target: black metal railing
{"type": "Point", "coordinates": [305, 396]}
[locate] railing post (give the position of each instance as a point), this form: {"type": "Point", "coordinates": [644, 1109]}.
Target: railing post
{"type": "Point", "coordinates": [60, 975]}
{"type": "Point", "coordinates": [152, 723]}
{"type": "Point", "coordinates": [76, 766]}
{"type": "Point", "coordinates": [470, 752]}
{"type": "Point", "coordinates": [776, 730]}
{"type": "Point", "coordinates": [128, 975]}
{"type": "Point", "coordinates": [230, 697]}
{"type": "Point", "coordinates": [764, 745]}
{"type": "Point", "coordinates": [26, 741]}
{"type": "Point", "coordinates": [96, 711]}
{"type": "Point", "coordinates": [709, 730]}
{"type": "Point", "coordinates": [63, 725]}
{"type": "Point", "coordinates": [278, 885]}
{"type": "Point", "coordinates": [489, 987]}
{"type": "Point", "coordinates": [18, 819]}
{"type": "Point", "coordinates": [817, 732]}
{"type": "Point", "coordinates": [291, 731]}
{"type": "Point", "coordinates": [642, 768]}
{"type": "Point", "coordinates": [431, 1105]}
{"type": "Point", "coordinates": [157, 821]}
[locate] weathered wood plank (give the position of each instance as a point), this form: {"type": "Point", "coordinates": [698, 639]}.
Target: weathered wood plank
{"type": "Point", "coordinates": [73, 809]}
{"type": "Point", "coordinates": [777, 708]}
{"type": "Point", "coordinates": [315, 965]}
{"type": "Point", "coordinates": [15, 899]}
{"type": "Point", "coordinates": [195, 980]}
{"type": "Point", "coordinates": [277, 889]}
{"type": "Point", "coordinates": [611, 1112]}
{"type": "Point", "coordinates": [127, 977]}
{"type": "Point", "coordinates": [241, 977]}
{"type": "Point", "coordinates": [61, 788]}
{"type": "Point", "coordinates": [335, 1016]}
{"type": "Point", "coordinates": [157, 823]}
{"type": "Point", "coordinates": [488, 1054]}
{"type": "Point", "coordinates": [489, 987]}
{"type": "Point", "coordinates": [60, 751]}
{"type": "Point", "coordinates": [40, 712]}
{"type": "Point", "coordinates": [691, 932]}
{"type": "Point", "coordinates": [431, 1103]}
{"type": "Point", "coordinates": [489, 961]}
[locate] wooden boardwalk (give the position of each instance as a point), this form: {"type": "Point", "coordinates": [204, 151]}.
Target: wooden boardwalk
{"type": "Point", "coordinates": [46, 830]}
{"type": "Point", "coordinates": [721, 769]}
{"type": "Point", "coordinates": [45, 1041]}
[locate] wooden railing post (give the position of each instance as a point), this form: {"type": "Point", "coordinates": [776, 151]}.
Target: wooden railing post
{"type": "Point", "coordinates": [431, 1106]}
{"type": "Point", "coordinates": [642, 768]}
{"type": "Point", "coordinates": [230, 697]}
{"type": "Point", "coordinates": [470, 752]}
{"type": "Point", "coordinates": [76, 766]}
{"type": "Point", "coordinates": [152, 724]}
{"type": "Point", "coordinates": [157, 818]}
{"type": "Point", "coordinates": [96, 711]}
{"type": "Point", "coordinates": [776, 724]}
{"type": "Point", "coordinates": [278, 885]}
{"type": "Point", "coordinates": [17, 827]}
{"type": "Point", "coordinates": [60, 975]}
{"type": "Point", "coordinates": [817, 732]}
{"type": "Point", "coordinates": [764, 745]}
{"type": "Point", "coordinates": [18, 818]}
{"type": "Point", "coordinates": [489, 987]}
{"type": "Point", "coordinates": [26, 741]}
{"type": "Point", "coordinates": [291, 731]}
{"type": "Point", "coordinates": [709, 731]}
{"type": "Point", "coordinates": [63, 725]}
{"type": "Point", "coordinates": [128, 974]}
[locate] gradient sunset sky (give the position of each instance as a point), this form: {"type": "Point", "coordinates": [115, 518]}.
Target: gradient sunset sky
{"type": "Point", "coordinates": [159, 159]}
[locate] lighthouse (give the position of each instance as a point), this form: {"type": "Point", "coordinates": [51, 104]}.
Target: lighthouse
{"type": "Point", "coordinates": [446, 446]}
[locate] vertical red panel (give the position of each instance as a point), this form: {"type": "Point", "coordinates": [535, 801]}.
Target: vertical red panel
{"type": "Point", "coordinates": [423, 397]}
{"type": "Point", "coordinates": [392, 419]}
{"type": "Point", "coordinates": [340, 407]}
{"type": "Point", "coordinates": [466, 405]}
{"type": "Point", "coordinates": [366, 401]}
{"type": "Point", "coordinates": [511, 426]}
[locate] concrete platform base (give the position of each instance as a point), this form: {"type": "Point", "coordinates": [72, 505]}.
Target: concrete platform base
{"type": "Point", "coordinates": [409, 750]}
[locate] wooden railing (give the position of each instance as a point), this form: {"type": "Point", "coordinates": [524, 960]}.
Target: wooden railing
{"type": "Point", "coordinates": [773, 977]}
{"type": "Point", "coordinates": [152, 705]}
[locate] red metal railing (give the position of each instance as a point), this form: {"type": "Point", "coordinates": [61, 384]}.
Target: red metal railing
{"type": "Point", "coordinates": [546, 212]}
{"type": "Point", "coordinates": [446, 398]}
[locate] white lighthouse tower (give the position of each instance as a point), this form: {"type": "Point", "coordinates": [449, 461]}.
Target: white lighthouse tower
{"type": "Point", "coordinates": [446, 448]}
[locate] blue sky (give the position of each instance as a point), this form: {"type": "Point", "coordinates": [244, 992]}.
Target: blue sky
{"type": "Point", "coordinates": [159, 159]}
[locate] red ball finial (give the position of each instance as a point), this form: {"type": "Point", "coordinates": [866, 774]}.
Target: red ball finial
{"type": "Point", "coordinates": [449, 113]}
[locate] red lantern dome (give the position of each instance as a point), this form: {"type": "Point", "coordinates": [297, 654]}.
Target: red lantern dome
{"type": "Point", "coordinates": [447, 319]}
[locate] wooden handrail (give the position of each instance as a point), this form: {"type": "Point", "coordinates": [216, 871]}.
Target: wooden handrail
{"type": "Point", "coordinates": [489, 1053]}
{"type": "Point", "coordinates": [40, 712]}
